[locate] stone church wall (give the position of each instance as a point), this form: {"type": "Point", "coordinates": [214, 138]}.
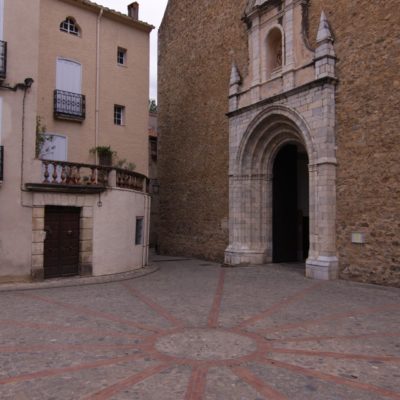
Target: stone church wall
{"type": "Point", "coordinates": [196, 43]}
{"type": "Point", "coordinates": [367, 43]}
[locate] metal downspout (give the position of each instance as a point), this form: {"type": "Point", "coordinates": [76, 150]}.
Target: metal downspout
{"type": "Point", "coordinates": [96, 135]}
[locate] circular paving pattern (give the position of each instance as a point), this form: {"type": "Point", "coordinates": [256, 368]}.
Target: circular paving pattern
{"type": "Point", "coordinates": [199, 332]}
{"type": "Point", "coordinates": [206, 344]}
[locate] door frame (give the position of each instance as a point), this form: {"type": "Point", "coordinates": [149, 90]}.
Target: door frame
{"type": "Point", "coordinates": [62, 212]}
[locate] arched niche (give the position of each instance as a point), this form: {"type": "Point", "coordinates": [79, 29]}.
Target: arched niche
{"type": "Point", "coordinates": [274, 44]}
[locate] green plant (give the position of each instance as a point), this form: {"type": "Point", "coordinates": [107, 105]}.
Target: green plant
{"type": "Point", "coordinates": [131, 166]}
{"type": "Point", "coordinates": [41, 136]}
{"type": "Point", "coordinates": [152, 106]}
{"type": "Point", "coordinates": [102, 150]}
{"type": "Point", "coordinates": [122, 163]}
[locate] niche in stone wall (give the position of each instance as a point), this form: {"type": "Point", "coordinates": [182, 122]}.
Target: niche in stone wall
{"type": "Point", "coordinates": [275, 53]}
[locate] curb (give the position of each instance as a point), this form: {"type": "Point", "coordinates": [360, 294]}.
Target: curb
{"type": "Point", "coordinates": [79, 281]}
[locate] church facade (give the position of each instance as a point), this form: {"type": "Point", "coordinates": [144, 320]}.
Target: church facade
{"type": "Point", "coordinates": [285, 166]}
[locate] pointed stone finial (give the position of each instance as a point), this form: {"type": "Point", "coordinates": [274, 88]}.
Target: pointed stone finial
{"type": "Point", "coordinates": [324, 30]}
{"type": "Point", "coordinates": [235, 76]}
{"type": "Point", "coordinates": [325, 57]}
{"type": "Point", "coordinates": [234, 87]}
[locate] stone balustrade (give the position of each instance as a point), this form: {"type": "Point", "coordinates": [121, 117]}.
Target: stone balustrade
{"type": "Point", "coordinates": [59, 173]}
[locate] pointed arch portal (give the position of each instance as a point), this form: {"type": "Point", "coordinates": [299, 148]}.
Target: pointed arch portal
{"type": "Point", "coordinates": [282, 202]}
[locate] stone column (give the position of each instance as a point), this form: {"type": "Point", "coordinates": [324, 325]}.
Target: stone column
{"type": "Point", "coordinates": [254, 43]}
{"type": "Point", "coordinates": [323, 263]}
{"type": "Point", "coordinates": [246, 224]}
{"type": "Point", "coordinates": [288, 23]}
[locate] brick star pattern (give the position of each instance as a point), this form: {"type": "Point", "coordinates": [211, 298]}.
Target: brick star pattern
{"type": "Point", "coordinates": [195, 331]}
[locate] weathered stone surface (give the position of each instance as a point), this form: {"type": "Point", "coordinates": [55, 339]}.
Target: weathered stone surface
{"type": "Point", "coordinates": [231, 333]}
{"type": "Point", "coordinates": [198, 44]}
{"type": "Point", "coordinates": [195, 64]}
{"type": "Point", "coordinates": [367, 44]}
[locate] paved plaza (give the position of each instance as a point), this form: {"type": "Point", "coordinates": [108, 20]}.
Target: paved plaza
{"type": "Point", "coordinates": [192, 330]}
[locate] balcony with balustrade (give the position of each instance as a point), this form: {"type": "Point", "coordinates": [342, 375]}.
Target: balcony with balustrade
{"type": "Point", "coordinates": [69, 177]}
{"type": "Point", "coordinates": [3, 60]}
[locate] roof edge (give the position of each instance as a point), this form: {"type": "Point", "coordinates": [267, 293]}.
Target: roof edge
{"type": "Point", "coordinates": [115, 15]}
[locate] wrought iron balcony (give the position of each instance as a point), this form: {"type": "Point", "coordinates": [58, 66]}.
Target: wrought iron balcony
{"type": "Point", "coordinates": [69, 105]}
{"type": "Point", "coordinates": [3, 60]}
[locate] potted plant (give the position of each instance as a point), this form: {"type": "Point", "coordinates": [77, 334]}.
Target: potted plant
{"type": "Point", "coordinates": [105, 154]}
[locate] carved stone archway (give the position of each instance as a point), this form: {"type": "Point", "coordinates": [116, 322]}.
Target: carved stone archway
{"type": "Point", "coordinates": [251, 239]}
{"type": "Point", "coordinates": [294, 105]}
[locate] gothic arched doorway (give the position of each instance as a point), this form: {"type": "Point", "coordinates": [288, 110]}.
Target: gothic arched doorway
{"type": "Point", "coordinates": [290, 204]}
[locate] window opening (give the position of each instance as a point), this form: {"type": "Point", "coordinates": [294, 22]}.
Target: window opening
{"type": "Point", "coordinates": [139, 231]}
{"type": "Point", "coordinates": [70, 26]}
{"type": "Point", "coordinates": [119, 115]}
{"type": "Point", "coordinates": [121, 56]}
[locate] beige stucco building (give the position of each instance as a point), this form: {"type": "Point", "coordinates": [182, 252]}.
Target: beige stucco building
{"type": "Point", "coordinates": [74, 79]}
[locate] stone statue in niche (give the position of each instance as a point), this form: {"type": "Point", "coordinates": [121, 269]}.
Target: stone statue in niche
{"type": "Point", "coordinates": [278, 58]}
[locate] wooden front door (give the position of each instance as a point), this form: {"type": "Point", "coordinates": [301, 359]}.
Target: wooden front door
{"type": "Point", "coordinates": [61, 246]}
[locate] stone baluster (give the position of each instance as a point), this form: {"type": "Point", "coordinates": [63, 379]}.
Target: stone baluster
{"type": "Point", "coordinates": [93, 176]}
{"type": "Point", "coordinates": [63, 174]}
{"type": "Point", "coordinates": [55, 174]}
{"type": "Point", "coordinates": [78, 175]}
{"type": "Point", "coordinates": [46, 172]}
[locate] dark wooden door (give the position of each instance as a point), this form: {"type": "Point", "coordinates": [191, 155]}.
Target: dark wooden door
{"type": "Point", "coordinates": [61, 246]}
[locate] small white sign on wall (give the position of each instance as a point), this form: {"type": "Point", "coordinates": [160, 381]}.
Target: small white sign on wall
{"type": "Point", "coordinates": [358, 238]}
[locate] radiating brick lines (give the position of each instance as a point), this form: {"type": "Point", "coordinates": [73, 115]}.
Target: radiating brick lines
{"type": "Point", "coordinates": [90, 312]}
{"type": "Point", "coordinates": [261, 387]}
{"type": "Point", "coordinates": [334, 379]}
{"type": "Point", "coordinates": [214, 313]}
{"type": "Point", "coordinates": [197, 372]}
{"type": "Point", "coordinates": [280, 305]}
{"type": "Point", "coordinates": [154, 306]}
{"type": "Point", "coordinates": [329, 318]}
{"type": "Point", "coordinates": [197, 384]}
{"type": "Point", "coordinates": [68, 329]}
{"type": "Point", "coordinates": [123, 384]}
{"type": "Point", "coordinates": [336, 338]}
{"type": "Point", "coordinates": [59, 371]}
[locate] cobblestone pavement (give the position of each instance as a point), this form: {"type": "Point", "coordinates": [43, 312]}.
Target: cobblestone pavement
{"type": "Point", "coordinates": [194, 330]}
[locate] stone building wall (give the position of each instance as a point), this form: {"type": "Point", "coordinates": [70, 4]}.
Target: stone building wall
{"type": "Point", "coordinates": [194, 72]}
{"type": "Point", "coordinates": [367, 43]}
{"type": "Point", "coordinates": [198, 41]}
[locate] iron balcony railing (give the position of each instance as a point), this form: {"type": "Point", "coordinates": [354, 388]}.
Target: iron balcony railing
{"type": "Point", "coordinates": [3, 59]}
{"type": "Point", "coordinates": [69, 105]}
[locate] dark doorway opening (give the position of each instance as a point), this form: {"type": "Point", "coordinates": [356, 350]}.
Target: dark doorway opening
{"type": "Point", "coordinates": [61, 245]}
{"type": "Point", "coordinates": [291, 205]}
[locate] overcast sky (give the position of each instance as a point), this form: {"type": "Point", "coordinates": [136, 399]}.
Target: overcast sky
{"type": "Point", "coordinates": [150, 11]}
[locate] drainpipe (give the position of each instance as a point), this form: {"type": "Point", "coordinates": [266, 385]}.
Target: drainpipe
{"type": "Point", "coordinates": [146, 233]}
{"type": "Point", "coordinates": [148, 228]}
{"type": "Point", "coordinates": [96, 134]}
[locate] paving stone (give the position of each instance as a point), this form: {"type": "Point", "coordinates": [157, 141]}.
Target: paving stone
{"type": "Point", "coordinates": [196, 331]}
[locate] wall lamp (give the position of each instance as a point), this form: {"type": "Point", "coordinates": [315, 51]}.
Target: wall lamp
{"type": "Point", "coordinates": [25, 85]}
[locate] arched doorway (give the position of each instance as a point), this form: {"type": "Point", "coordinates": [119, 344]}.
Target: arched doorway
{"type": "Point", "coordinates": [290, 204]}
{"type": "Point", "coordinates": [272, 137]}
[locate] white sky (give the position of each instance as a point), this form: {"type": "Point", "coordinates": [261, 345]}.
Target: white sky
{"type": "Point", "coordinates": [150, 11]}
